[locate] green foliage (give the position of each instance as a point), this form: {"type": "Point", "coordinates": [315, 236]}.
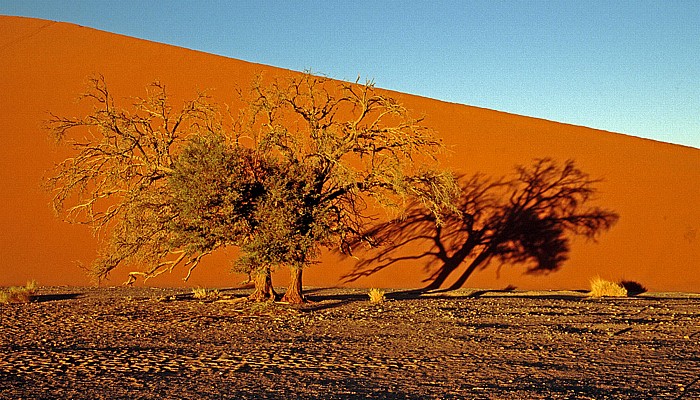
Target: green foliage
{"type": "Point", "coordinates": [217, 189]}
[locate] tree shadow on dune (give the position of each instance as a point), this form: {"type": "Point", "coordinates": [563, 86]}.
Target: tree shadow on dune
{"type": "Point", "coordinates": [525, 219]}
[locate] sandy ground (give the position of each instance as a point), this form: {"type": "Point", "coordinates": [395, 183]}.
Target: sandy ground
{"type": "Point", "coordinates": [142, 343]}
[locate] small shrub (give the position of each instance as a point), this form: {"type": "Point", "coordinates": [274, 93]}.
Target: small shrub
{"type": "Point", "coordinates": [199, 293]}
{"type": "Point", "coordinates": [376, 296]}
{"type": "Point", "coordinates": [19, 294]}
{"type": "Point", "coordinates": [204, 294]}
{"type": "Point", "coordinates": [602, 288]}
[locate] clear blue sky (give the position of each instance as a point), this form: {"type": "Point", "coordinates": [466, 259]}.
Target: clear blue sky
{"type": "Point", "coordinates": [624, 66]}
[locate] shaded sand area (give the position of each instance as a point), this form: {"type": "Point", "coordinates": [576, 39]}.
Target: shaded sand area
{"type": "Point", "coordinates": [162, 343]}
{"type": "Point", "coordinates": [655, 187]}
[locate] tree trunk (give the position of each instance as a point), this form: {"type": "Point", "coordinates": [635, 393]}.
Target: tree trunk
{"type": "Point", "coordinates": [293, 294]}
{"type": "Point", "coordinates": [263, 287]}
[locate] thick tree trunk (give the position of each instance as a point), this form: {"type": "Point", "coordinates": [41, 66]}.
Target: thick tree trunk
{"type": "Point", "coordinates": [263, 287]}
{"type": "Point", "coordinates": [293, 294]}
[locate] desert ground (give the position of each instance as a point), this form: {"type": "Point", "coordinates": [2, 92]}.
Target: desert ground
{"type": "Point", "coordinates": [147, 343]}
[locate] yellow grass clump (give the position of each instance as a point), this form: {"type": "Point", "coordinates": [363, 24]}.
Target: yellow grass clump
{"type": "Point", "coordinates": [204, 294]}
{"type": "Point", "coordinates": [602, 288]}
{"type": "Point", "coordinates": [376, 296]}
{"type": "Point", "coordinates": [19, 294]}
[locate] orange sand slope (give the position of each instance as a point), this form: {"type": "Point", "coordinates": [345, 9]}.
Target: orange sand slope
{"type": "Point", "coordinates": [655, 187]}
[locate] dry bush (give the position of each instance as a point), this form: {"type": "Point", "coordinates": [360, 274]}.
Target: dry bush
{"type": "Point", "coordinates": [19, 294]}
{"type": "Point", "coordinates": [199, 293]}
{"type": "Point", "coordinates": [602, 288]}
{"type": "Point", "coordinates": [376, 296]}
{"type": "Point", "coordinates": [204, 294]}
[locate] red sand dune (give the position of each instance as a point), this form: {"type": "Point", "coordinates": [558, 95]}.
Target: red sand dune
{"type": "Point", "coordinates": [655, 187]}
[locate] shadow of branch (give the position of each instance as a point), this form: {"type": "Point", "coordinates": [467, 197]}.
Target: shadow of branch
{"type": "Point", "coordinates": [525, 219]}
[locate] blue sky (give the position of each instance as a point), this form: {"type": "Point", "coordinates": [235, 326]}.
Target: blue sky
{"type": "Point", "coordinates": [624, 66]}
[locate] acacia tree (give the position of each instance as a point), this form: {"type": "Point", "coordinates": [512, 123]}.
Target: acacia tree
{"type": "Point", "coordinates": [166, 187]}
{"type": "Point", "coordinates": [345, 150]}
{"type": "Point", "coordinates": [526, 219]}
{"type": "Point", "coordinates": [302, 169]}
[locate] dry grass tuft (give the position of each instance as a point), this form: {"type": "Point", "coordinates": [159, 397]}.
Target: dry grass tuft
{"type": "Point", "coordinates": [199, 293]}
{"type": "Point", "coordinates": [376, 296]}
{"type": "Point", "coordinates": [19, 294]}
{"type": "Point", "coordinates": [602, 288]}
{"type": "Point", "coordinates": [204, 294]}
